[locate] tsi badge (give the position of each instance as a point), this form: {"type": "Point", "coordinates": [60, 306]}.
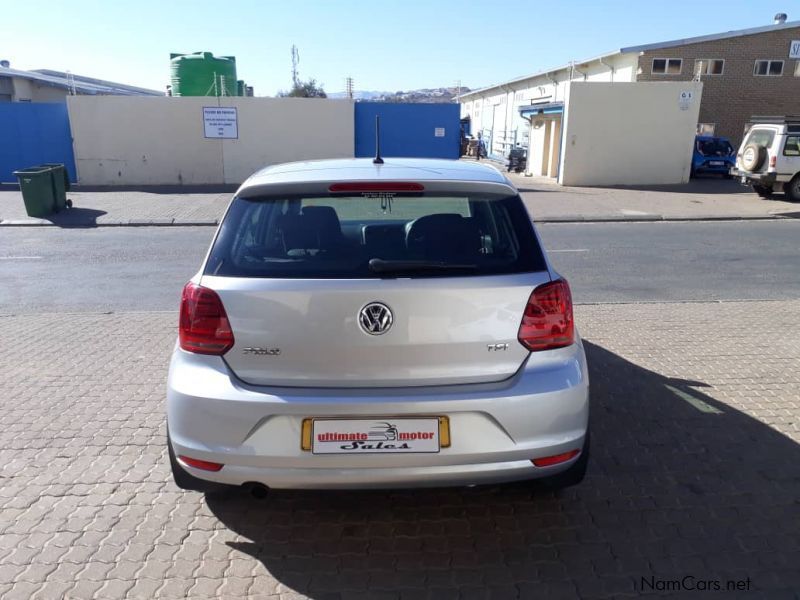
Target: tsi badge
{"type": "Point", "coordinates": [262, 351]}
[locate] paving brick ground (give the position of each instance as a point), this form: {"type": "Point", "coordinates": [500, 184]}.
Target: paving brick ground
{"type": "Point", "coordinates": [701, 199]}
{"type": "Point", "coordinates": [695, 472]}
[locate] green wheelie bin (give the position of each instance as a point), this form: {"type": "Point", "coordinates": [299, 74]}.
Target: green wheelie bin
{"type": "Point", "coordinates": [38, 193]}
{"type": "Point", "coordinates": [60, 185]}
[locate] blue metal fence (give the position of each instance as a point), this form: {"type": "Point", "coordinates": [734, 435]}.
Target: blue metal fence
{"type": "Point", "coordinates": [408, 130]}
{"type": "Point", "coordinates": [32, 134]}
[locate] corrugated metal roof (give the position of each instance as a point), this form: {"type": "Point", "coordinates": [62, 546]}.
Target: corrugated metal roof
{"type": "Point", "coordinates": [83, 85]}
{"type": "Point", "coordinates": [711, 38]}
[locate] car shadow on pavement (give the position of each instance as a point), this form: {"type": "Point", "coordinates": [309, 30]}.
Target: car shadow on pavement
{"type": "Point", "coordinates": [679, 485]}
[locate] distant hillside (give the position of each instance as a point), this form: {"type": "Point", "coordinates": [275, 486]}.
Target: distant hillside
{"type": "Point", "coordinates": [444, 95]}
{"type": "Point", "coordinates": [358, 94]}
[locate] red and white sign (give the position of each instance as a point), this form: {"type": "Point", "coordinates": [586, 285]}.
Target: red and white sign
{"type": "Point", "coordinates": [375, 436]}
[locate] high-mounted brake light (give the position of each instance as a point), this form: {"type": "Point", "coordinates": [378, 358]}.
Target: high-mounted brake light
{"type": "Point", "coordinates": [203, 326]}
{"type": "Point", "coordinates": [375, 186]}
{"type": "Point", "coordinates": [547, 322]}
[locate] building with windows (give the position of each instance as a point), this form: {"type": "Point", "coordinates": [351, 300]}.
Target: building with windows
{"type": "Point", "coordinates": [744, 73]}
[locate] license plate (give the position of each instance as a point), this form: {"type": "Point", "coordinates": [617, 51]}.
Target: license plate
{"type": "Point", "coordinates": [379, 435]}
{"type": "Point", "coordinates": [716, 163]}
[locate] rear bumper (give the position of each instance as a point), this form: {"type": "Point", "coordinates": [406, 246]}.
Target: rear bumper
{"type": "Point", "coordinates": [706, 168]}
{"type": "Point", "coordinates": [748, 178]}
{"type": "Point", "coordinates": [496, 429]}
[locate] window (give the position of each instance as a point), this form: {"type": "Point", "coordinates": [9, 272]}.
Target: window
{"type": "Point", "coordinates": [761, 137]}
{"type": "Point", "coordinates": [667, 66]}
{"type": "Point", "coordinates": [797, 68]}
{"type": "Point", "coordinates": [337, 237]}
{"type": "Point", "coordinates": [709, 66]}
{"type": "Point", "coordinates": [706, 128]}
{"type": "Point", "coordinates": [792, 146]}
{"type": "Point", "coordinates": [768, 68]}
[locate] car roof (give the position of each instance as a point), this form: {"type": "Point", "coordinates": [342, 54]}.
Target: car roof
{"type": "Point", "coordinates": [318, 174]}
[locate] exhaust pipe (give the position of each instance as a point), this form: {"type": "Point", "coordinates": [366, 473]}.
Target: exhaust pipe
{"type": "Point", "coordinates": [257, 490]}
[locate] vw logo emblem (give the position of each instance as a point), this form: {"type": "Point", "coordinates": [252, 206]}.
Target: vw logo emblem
{"type": "Point", "coordinates": [375, 318]}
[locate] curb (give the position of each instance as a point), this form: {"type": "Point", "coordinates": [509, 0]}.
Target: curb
{"type": "Point", "coordinates": [657, 219]}
{"type": "Point", "coordinates": [110, 223]}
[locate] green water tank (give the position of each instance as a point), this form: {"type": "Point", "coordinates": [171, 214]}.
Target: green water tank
{"type": "Point", "coordinates": [203, 74]}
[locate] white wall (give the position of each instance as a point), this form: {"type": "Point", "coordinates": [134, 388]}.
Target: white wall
{"type": "Point", "coordinates": [628, 133]}
{"type": "Point", "coordinates": [276, 130]}
{"type": "Point", "coordinates": [154, 141]}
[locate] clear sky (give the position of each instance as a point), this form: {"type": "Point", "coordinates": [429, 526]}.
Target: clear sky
{"type": "Point", "coordinates": [385, 45]}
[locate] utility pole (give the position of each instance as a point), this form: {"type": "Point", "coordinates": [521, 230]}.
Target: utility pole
{"type": "Point", "coordinates": [348, 83]}
{"type": "Point", "coordinates": [458, 89]}
{"type": "Point", "coordinates": [295, 62]}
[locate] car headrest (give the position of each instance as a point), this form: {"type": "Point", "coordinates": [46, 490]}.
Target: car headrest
{"type": "Point", "coordinates": [316, 227]}
{"type": "Point", "coordinates": [444, 237]}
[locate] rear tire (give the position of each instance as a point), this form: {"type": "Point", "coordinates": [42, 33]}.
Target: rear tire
{"type": "Point", "coordinates": [792, 189]}
{"type": "Point", "coordinates": [572, 476]}
{"type": "Point", "coordinates": [762, 191]}
{"type": "Point", "coordinates": [185, 481]}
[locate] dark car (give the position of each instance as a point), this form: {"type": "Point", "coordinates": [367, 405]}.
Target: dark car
{"type": "Point", "coordinates": [713, 155]}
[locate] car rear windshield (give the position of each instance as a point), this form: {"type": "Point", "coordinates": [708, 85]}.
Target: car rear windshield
{"type": "Point", "coordinates": [377, 235]}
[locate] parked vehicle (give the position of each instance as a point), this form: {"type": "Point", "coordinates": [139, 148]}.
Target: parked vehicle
{"type": "Point", "coordinates": [769, 157]}
{"type": "Point", "coordinates": [517, 159]}
{"type": "Point", "coordinates": [358, 326]}
{"type": "Point", "coordinates": [712, 155]}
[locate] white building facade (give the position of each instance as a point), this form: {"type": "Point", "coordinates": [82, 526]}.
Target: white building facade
{"type": "Point", "coordinates": [743, 72]}
{"type": "Point", "coordinates": [529, 111]}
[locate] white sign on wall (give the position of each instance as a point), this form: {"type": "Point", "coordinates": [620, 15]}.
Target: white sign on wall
{"type": "Point", "coordinates": [220, 122]}
{"type": "Point", "coordinates": [794, 49]}
{"type": "Point", "coordinates": [685, 99]}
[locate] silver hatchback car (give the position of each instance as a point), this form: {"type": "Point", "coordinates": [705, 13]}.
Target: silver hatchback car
{"type": "Point", "coordinates": [361, 325]}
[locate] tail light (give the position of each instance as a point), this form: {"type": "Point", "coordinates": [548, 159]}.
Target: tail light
{"type": "Point", "coordinates": [204, 326]}
{"type": "Point", "coordinates": [773, 161]}
{"type": "Point", "coordinates": [547, 322]}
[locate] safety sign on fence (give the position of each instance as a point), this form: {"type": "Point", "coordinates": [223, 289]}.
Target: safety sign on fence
{"type": "Point", "coordinates": [220, 122]}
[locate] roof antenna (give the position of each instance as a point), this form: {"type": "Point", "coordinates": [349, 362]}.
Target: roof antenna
{"type": "Point", "coordinates": [377, 160]}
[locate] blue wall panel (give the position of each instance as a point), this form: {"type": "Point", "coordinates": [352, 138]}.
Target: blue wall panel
{"type": "Point", "coordinates": [408, 130]}
{"type": "Point", "coordinates": [33, 133]}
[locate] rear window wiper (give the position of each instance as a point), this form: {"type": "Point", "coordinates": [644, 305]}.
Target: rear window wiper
{"type": "Point", "coordinates": [378, 265]}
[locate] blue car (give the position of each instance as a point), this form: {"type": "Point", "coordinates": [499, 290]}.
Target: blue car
{"type": "Point", "coordinates": [713, 155]}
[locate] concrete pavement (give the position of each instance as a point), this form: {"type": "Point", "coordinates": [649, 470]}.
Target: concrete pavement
{"type": "Point", "coordinates": [702, 199]}
{"type": "Point", "coordinates": [695, 477]}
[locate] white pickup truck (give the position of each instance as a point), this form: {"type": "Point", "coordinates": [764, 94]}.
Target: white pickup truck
{"type": "Point", "coordinates": [769, 157]}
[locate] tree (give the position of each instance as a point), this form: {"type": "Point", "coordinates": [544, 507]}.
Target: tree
{"type": "Point", "coordinates": [305, 89]}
